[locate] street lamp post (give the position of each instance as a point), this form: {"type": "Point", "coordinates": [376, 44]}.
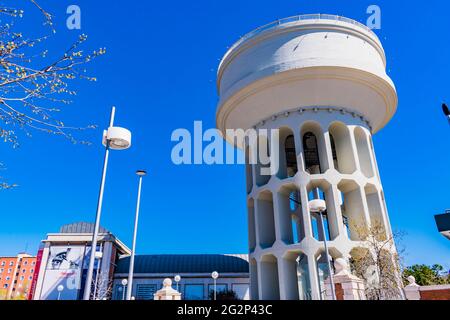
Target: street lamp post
{"type": "Point", "coordinates": [98, 257]}
{"type": "Point", "coordinates": [319, 206]}
{"type": "Point", "coordinates": [124, 284]}
{"type": "Point", "coordinates": [215, 275]}
{"type": "Point", "coordinates": [141, 174]}
{"type": "Point", "coordinates": [177, 279]}
{"type": "Point", "coordinates": [60, 289]}
{"type": "Point", "coordinates": [115, 138]}
{"type": "Point", "coordinates": [446, 111]}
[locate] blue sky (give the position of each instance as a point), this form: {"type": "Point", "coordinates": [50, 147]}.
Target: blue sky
{"type": "Point", "coordinates": [160, 73]}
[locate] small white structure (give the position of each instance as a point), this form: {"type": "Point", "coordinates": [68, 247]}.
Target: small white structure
{"type": "Point", "coordinates": [412, 290]}
{"type": "Point", "coordinates": [321, 81]}
{"type": "Point", "coordinates": [348, 286]}
{"type": "Point", "coordinates": [167, 292]}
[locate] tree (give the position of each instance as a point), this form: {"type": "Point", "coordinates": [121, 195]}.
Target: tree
{"type": "Point", "coordinates": [224, 295]}
{"type": "Point", "coordinates": [378, 262]}
{"type": "Point", "coordinates": [34, 85]}
{"type": "Point", "coordinates": [427, 275]}
{"type": "Point", "coordinates": [103, 288]}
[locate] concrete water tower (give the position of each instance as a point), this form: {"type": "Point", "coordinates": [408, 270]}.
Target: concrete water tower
{"type": "Point", "coordinates": [321, 80]}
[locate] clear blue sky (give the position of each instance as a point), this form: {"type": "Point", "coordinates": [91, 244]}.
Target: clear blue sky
{"type": "Point", "coordinates": [160, 73]}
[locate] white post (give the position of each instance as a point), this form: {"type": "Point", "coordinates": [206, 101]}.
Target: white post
{"type": "Point", "coordinates": [327, 256]}
{"type": "Point", "coordinates": [215, 275]}
{"type": "Point", "coordinates": [141, 174]}
{"type": "Point", "coordinates": [88, 283]}
{"type": "Point", "coordinates": [60, 289]}
{"type": "Point", "coordinates": [215, 289]}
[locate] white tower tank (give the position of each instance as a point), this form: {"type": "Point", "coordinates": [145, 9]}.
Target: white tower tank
{"type": "Point", "coordinates": [321, 80]}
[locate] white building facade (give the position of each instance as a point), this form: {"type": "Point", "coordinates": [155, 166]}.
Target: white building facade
{"type": "Point", "coordinates": [321, 81]}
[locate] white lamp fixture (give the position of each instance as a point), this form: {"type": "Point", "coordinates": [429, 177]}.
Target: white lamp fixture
{"type": "Point", "coordinates": [317, 206]}
{"type": "Point", "coordinates": [119, 138]}
{"type": "Point", "coordinates": [177, 279]}
{"type": "Point", "coordinates": [141, 173]}
{"type": "Point", "coordinates": [60, 289]}
{"type": "Point", "coordinates": [215, 275]}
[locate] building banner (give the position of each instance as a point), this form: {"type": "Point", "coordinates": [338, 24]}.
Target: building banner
{"type": "Point", "coordinates": [37, 267]}
{"type": "Point", "coordinates": [63, 272]}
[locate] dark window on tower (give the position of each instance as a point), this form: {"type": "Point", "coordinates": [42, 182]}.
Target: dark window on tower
{"type": "Point", "coordinates": [312, 162]}
{"type": "Point", "coordinates": [291, 156]}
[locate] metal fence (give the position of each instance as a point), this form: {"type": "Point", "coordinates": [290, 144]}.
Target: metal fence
{"type": "Point", "coordinates": [299, 18]}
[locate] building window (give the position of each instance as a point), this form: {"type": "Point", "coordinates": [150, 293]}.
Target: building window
{"type": "Point", "coordinates": [30, 278]}
{"type": "Point", "coordinates": [25, 263]}
{"type": "Point", "coordinates": [5, 285]}
{"type": "Point", "coordinates": [9, 270]}
{"type": "Point", "coordinates": [219, 287]}
{"type": "Point", "coordinates": [11, 263]}
{"type": "Point", "coordinates": [24, 270]}
{"type": "Point", "coordinates": [8, 278]}
{"type": "Point", "coordinates": [3, 263]}
{"type": "Point", "coordinates": [32, 270]}
{"type": "Point", "coordinates": [193, 292]}
{"type": "Point", "coordinates": [1, 270]}
{"type": "Point", "coordinates": [22, 278]}
{"type": "Point", "coordinates": [145, 291]}
{"type": "Point", "coordinates": [33, 263]}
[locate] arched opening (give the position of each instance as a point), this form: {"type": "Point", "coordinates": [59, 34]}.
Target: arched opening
{"type": "Point", "coordinates": [266, 221]}
{"type": "Point", "coordinates": [323, 273]}
{"type": "Point", "coordinates": [289, 266]}
{"type": "Point", "coordinates": [341, 144]}
{"type": "Point", "coordinates": [352, 209]}
{"type": "Point", "coordinates": [296, 271]}
{"type": "Point", "coordinates": [362, 145]}
{"type": "Point", "coordinates": [291, 156]}
{"type": "Point", "coordinates": [254, 295]}
{"type": "Point", "coordinates": [251, 225]}
{"type": "Point", "coordinates": [288, 155]}
{"type": "Point", "coordinates": [311, 153]}
{"type": "Point", "coordinates": [374, 204]}
{"type": "Point", "coordinates": [314, 149]}
{"type": "Point", "coordinates": [270, 289]}
{"type": "Point", "coordinates": [263, 161]}
{"type": "Point", "coordinates": [325, 227]}
{"type": "Point", "coordinates": [290, 215]}
{"type": "Point", "coordinates": [303, 278]}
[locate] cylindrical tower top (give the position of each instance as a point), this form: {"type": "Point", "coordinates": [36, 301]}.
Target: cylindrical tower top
{"type": "Point", "coordinates": [304, 62]}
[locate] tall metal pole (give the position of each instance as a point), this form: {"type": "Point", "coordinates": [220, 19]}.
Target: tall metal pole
{"type": "Point", "coordinates": [133, 250]}
{"type": "Point", "coordinates": [97, 273]}
{"type": "Point", "coordinates": [215, 289]}
{"type": "Point", "coordinates": [316, 193]}
{"type": "Point", "coordinates": [88, 282]}
{"type": "Point", "coordinates": [327, 256]}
